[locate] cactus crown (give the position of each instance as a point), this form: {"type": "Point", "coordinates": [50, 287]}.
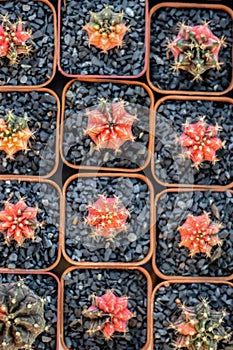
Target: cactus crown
{"type": "Point", "coordinates": [108, 314]}
{"type": "Point", "coordinates": [199, 235]}
{"type": "Point", "coordinates": [109, 125]}
{"type": "Point", "coordinates": [199, 327]}
{"type": "Point", "coordinates": [13, 39]}
{"type": "Point", "coordinates": [196, 50]}
{"type": "Point", "coordinates": [107, 216]}
{"type": "Point", "coordinates": [200, 142]}
{"type": "Point", "coordinates": [14, 134]}
{"type": "Point", "coordinates": [105, 29]}
{"type": "Point", "coordinates": [18, 222]}
{"type": "Point", "coordinates": [21, 316]}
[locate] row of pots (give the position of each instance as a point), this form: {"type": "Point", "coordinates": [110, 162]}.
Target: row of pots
{"type": "Point", "coordinates": [151, 228]}
{"type": "Point", "coordinates": [129, 61]}
{"type": "Point", "coordinates": [152, 313]}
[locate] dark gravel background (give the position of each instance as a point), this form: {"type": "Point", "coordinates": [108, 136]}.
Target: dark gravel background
{"type": "Point", "coordinates": [129, 246]}
{"type": "Point", "coordinates": [172, 211]}
{"type": "Point", "coordinates": [163, 29]}
{"type": "Point", "coordinates": [220, 296]}
{"type": "Point", "coordinates": [37, 69]}
{"type": "Point", "coordinates": [41, 111]}
{"type": "Point", "coordinates": [78, 58]}
{"type": "Point", "coordinates": [46, 287]}
{"type": "Point", "coordinates": [41, 253]}
{"type": "Point", "coordinates": [80, 284]}
{"type": "Point", "coordinates": [78, 148]}
{"type": "Point", "coordinates": [169, 167]}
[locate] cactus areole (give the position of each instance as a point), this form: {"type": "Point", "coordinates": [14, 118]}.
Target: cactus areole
{"type": "Point", "coordinates": [21, 316]}
{"type": "Point", "coordinates": [196, 49]}
{"type": "Point", "coordinates": [105, 29]}
{"type": "Point", "coordinates": [108, 314]}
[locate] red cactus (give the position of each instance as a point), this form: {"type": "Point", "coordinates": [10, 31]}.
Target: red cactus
{"type": "Point", "coordinates": [108, 314]}
{"type": "Point", "coordinates": [4, 42]}
{"type": "Point", "coordinates": [18, 222]}
{"type": "Point", "coordinates": [198, 234]}
{"type": "Point", "coordinates": [107, 216]}
{"type": "Point", "coordinates": [109, 125]}
{"type": "Point", "coordinates": [200, 142]}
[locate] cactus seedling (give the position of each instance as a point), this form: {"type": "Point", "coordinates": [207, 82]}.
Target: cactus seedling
{"type": "Point", "coordinates": [199, 235]}
{"type": "Point", "coordinates": [196, 49]}
{"type": "Point", "coordinates": [13, 39]}
{"type": "Point", "coordinates": [14, 134]}
{"type": "Point", "coordinates": [18, 222]}
{"type": "Point", "coordinates": [200, 142]}
{"type": "Point", "coordinates": [107, 216]}
{"type": "Point", "coordinates": [108, 314]}
{"type": "Point", "coordinates": [199, 327]}
{"type": "Point", "coordinates": [106, 29]}
{"type": "Point", "coordinates": [109, 125]}
{"type": "Point", "coordinates": [21, 316]}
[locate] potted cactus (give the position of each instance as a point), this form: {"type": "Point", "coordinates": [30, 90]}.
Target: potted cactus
{"type": "Point", "coordinates": [28, 44]}
{"type": "Point", "coordinates": [190, 48]}
{"type": "Point", "coordinates": [111, 39]}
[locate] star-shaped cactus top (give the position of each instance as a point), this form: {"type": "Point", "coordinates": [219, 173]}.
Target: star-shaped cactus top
{"type": "Point", "coordinates": [111, 312]}
{"type": "Point", "coordinates": [18, 222]}
{"type": "Point", "coordinates": [109, 125]}
{"type": "Point", "coordinates": [199, 235]}
{"type": "Point", "coordinates": [200, 142]}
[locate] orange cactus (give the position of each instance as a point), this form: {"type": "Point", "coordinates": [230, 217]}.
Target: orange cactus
{"type": "Point", "coordinates": [105, 29]}
{"type": "Point", "coordinates": [18, 222]}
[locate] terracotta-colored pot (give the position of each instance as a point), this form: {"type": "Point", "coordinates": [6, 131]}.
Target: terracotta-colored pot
{"type": "Point", "coordinates": [189, 6]}
{"type": "Point", "coordinates": [55, 134]}
{"type": "Point", "coordinates": [165, 314]}
{"type": "Point", "coordinates": [29, 180]}
{"type": "Point", "coordinates": [75, 220]}
{"type": "Point", "coordinates": [20, 273]}
{"type": "Point", "coordinates": [173, 243]}
{"type": "Point", "coordinates": [186, 167]}
{"type": "Point", "coordinates": [147, 128]}
{"type": "Point", "coordinates": [147, 288]}
{"type": "Point", "coordinates": [25, 87]}
{"type": "Point", "coordinates": [96, 76]}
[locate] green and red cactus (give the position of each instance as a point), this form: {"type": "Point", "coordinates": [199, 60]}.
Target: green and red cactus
{"type": "Point", "coordinates": [106, 29]}
{"type": "Point", "coordinates": [21, 316]}
{"type": "Point", "coordinates": [107, 217]}
{"type": "Point", "coordinates": [199, 327]}
{"type": "Point", "coordinates": [14, 40]}
{"type": "Point", "coordinates": [18, 222]}
{"type": "Point", "coordinates": [109, 125]}
{"type": "Point", "coordinates": [108, 314]}
{"type": "Point", "coordinates": [196, 50]}
{"type": "Point", "coordinates": [199, 234]}
{"type": "Point", "coordinates": [200, 142]}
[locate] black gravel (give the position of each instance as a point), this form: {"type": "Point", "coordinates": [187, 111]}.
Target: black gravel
{"type": "Point", "coordinates": [78, 148]}
{"type": "Point", "coordinates": [164, 28]}
{"type": "Point", "coordinates": [132, 245]}
{"type": "Point", "coordinates": [41, 253]}
{"type": "Point", "coordinates": [172, 212]}
{"type": "Point", "coordinates": [220, 296]}
{"type": "Point", "coordinates": [38, 67]}
{"type": "Point", "coordinates": [76, 55]}
{"type": "Point", "coordinates": [169, 166]}
{"type": "Point", "coordinates": [46, 287]}
{"type": "Point", "coordinates": [41, 110]}
{"type": "Point", "coordinates": [80, 284]}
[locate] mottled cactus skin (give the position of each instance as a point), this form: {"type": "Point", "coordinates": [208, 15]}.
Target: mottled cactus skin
{"type": "Point", "coordinates": [108, 314]}
{"type": "Point", "coordinates": [196, 49]}
{"type": "Point", "coordinates": [14, 40]}
{"type": "Point", "coordinates": [199, 327]}
{"type": "Point", "coordinates": [105, 29]}
{"type": "Point", "coordinates": [21, 316]}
